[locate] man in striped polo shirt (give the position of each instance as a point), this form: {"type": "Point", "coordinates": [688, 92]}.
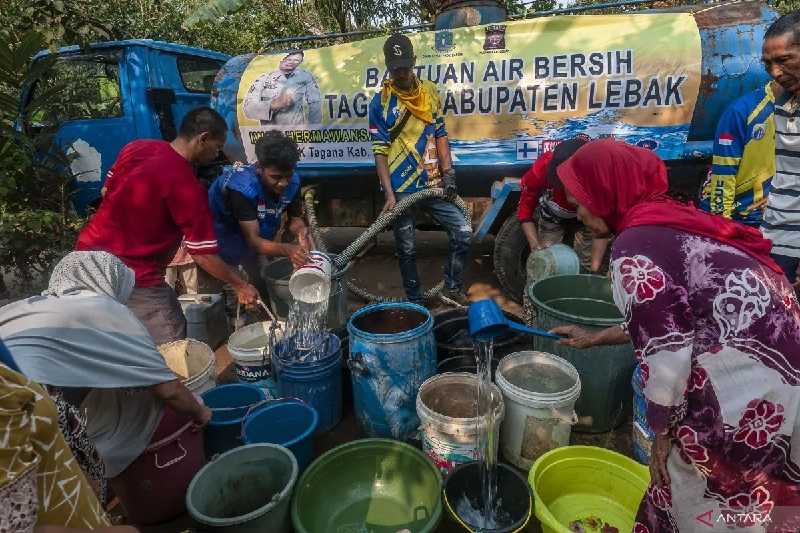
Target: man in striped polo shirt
{"type": "Point", "coordinates": [781, 57]}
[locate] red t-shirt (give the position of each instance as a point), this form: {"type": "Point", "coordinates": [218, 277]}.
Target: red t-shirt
{"type": "Point", "coordinates": [534, 183]}
{"type": "Point", "coordinates": [153, 199]}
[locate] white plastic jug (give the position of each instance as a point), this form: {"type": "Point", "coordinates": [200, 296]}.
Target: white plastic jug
{"type": "Point", "coordinates": [311, 283]}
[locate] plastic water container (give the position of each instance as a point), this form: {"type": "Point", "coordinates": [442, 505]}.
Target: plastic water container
{"type": "Point", "coordinates": [369, 485]}
{"type": "Point", "coordinates": [451, 330]}
{"type": "Point", "coordinates": [247, 489]}
{"type": "Point", "coordinates": [205, 318]}
{"type": "Point", "coordinates": [290, 423]}
{"type": "Point", "coordinates": [587, 301]}
{"type": "Point", "coordinates": [249, 347]}
{"type": "Point", "coordinates": [229, 405]}
{"type": "Point", "coordinates": [554, 260]}
{"type": "Point", "coordinates": [152, 487]}
{"type": "Point", "coordinates": [392, 353]}
{"type": "Point", "coordinates": [540, 391]}
{"type": "Point", "coordinates": [276, 276]}
{"type": "Point", "coordinates": [311, 283]}
{"type": "Point", "coordinates": [573, 483]}
{"type": "Point", "coordinates": [514, 501]}
{"type": "Point", "coordinates": [446, 406]}
{"type": "Point", "coordinates": [317, 382]}
{"type": "Point", "coordinates": [200, 361]}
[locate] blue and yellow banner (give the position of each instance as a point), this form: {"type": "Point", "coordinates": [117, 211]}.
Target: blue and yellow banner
{"type": "Point", "coordinates": [509, 91]}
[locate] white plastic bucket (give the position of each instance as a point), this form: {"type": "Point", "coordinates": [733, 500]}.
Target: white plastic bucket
{"type": "Point", "coordinates": [536, 420]}
{"type": "Point", "coordinates": [311, 283]}
{"type": "Point", "coordinates": [200, 362]}
{"type": "Point", "coordinates": [249, 347]}
{"type": "Point", "coordinates": [446, 406]}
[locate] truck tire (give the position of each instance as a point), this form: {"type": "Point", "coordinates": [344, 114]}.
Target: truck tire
{"type": "Point", "coordinates": [511, 252]}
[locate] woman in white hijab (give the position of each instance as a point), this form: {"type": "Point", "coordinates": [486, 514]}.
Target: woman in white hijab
{"type": "Point", "coordinates": [80, 340]}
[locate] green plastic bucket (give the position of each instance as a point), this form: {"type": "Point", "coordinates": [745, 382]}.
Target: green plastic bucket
{"type": "Point", "coordinates": [377, 485]}
{"type": "Point", "coordinates": [577, 484]}
{"type": "Point", "coordinates": [247, 489]}
{"type": "Point", "coordinates": [605, 371]}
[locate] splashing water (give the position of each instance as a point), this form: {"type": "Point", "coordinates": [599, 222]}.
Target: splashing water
{"type": "Point", "coordinates": [475, 516]}
{"type": "Point", "coordinates": [484, 511]}
{"type": "Point", "coordinates": [305, 329]}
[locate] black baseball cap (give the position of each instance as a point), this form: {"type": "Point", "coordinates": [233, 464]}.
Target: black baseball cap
{"type": "Point", "coordinates": [398, 52]}
{"type": "Point", "coordinates": [563, 151]}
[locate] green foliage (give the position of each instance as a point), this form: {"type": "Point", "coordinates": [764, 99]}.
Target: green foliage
{"type": "Point", "coordinates": [517, 7]}
{"type": "Point", "coordinates": [84, 21]}
{"type": "Point", "coordinates": [247, 30]}
{"type": "Point", "coordinates": [36, 226]}
{"type": "Point", "coordinates": [299, 17]}
{"type": "Point", "coordinates": [57, 21]}
{"type": "Point", "coordinates": [211, 11]}
{"type": "Point", "coordinates": [786, 6]}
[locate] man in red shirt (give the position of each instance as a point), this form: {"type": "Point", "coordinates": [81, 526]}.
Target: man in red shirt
{"type": "Point", "coordinates": [152, 199]}
{"type": "Point", "coordinates": [548, 218]}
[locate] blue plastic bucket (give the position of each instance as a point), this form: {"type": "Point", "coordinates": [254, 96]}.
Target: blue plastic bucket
{"type": "Point", "coordinates": [229, 405]}
{"type": "Point", "coordinates": [290, 423]}
{"type": "Point", "coordinates": [392, 352]}
{"type": "Point", "coordinates": [318, 382]}
{"type": "Point", "coordinates": [643, 436]}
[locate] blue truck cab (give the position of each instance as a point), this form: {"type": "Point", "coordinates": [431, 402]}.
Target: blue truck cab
{"type": "Point", "coordinates": [117, 92]}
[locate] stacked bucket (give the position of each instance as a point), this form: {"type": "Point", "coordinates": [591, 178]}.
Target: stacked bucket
{"type": "Point", "coordinates": [315, 379]}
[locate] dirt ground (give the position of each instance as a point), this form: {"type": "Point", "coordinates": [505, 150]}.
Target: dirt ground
{"type": "Point", "coordinates": [377, 271]}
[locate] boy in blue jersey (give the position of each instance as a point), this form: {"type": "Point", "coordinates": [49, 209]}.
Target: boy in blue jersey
{"type": "Point", "coordinates": [412, 153]}
{"type": "Point", "coordinates": [248, 203]}
{"type": "Point", "coordinates": [744, 158]}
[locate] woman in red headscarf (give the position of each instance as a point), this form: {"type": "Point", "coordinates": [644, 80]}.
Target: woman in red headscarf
{"type": "Point", "coordinates": [716, 329]}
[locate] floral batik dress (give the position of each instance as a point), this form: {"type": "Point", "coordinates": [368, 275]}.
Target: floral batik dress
{"type": "Point", "coordinates": [717, 336]}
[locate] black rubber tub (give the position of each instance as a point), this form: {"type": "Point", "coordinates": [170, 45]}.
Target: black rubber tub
{"type": "Point", "coordinates": [451, 330]}
{"type": "Point", "coordinates": [515, 498]}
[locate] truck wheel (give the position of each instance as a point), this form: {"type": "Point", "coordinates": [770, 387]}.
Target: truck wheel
{"type": "Point", "coordinates": [510, 256]}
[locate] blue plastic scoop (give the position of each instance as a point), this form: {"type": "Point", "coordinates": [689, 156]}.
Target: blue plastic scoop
{"type": "Point", "coordinates": [487, 321]}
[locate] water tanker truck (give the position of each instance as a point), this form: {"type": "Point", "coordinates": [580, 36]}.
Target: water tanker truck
{"type": "Point", "coordinates": [510, 91]}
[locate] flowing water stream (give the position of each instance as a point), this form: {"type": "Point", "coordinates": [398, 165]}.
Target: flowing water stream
{"type": "Point", "coordinates": [485, 513]}
{"type": "Point", "coordinates": [487, 445]}
{"type": "Point", "coordinates": [306, 325]}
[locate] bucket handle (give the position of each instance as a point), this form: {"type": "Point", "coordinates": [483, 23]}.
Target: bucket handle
{"type": "Point", "coordinates": [356, 364]}
{"type": "Point", "coordinates": [570, 419]}
{"type": "Point", "coordinates": [260, 404]}
{"type": "Point", "coordinates": [264, 306]}
{"type": "Point", "coordinates": [154, 447]}
{"type": "Point", "coordinates": [423, 511]}
{"type": "Point", "coordinates": [172, 461]}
